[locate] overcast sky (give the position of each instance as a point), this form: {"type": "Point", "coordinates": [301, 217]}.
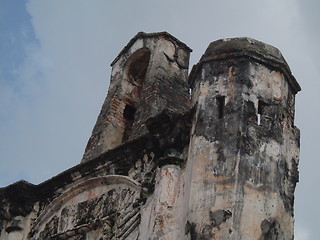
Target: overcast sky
{"type": "Point", "coordinates": [55, 68]}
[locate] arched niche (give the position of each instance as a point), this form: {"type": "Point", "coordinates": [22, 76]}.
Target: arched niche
{"type": "Point", "coordinates": [134, 75]}
{"type": "Point", "coordinates": [136, 66]}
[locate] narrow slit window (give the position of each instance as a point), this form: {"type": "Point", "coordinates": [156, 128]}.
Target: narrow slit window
{"type": "Point", "coordinates": [261, 104]}
{"type": "Point", "coordinates": [220, 106]}
{"type": "Point", "coordinates": [128, 115]}
{"type": "Point", "coordinates": [129, 112]}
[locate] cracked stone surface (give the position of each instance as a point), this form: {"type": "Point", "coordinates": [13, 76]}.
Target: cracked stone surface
{"type": "Point", "coordinates": [209, 155]}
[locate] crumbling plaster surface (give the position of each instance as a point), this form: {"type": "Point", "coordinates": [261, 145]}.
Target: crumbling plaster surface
{"type": "Point", "coordinates": [166, 71]}
{"type": "Point", "coordinates": [219, 164]}
{"type": "Point", "coordinates": [244, 168]}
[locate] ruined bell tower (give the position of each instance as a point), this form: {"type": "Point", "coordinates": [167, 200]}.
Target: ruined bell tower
{"type": "Point", "coordinates": [209, 155]}
{"type": "Point", "coordinates": [148, 65]}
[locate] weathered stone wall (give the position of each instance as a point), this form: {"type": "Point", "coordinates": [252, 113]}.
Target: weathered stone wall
{"type": "Point", "coordinates": [220, 163]}
{"type": "Point", "coordinates": [148, 77]}
{"type": "Point", "coordinates": [103, 198]}
{"type": "Point", "coordinates": [244, 144]}
{"type": "Point", "coordinates": [97, 200]}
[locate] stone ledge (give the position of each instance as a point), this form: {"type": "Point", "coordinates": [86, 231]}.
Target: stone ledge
{"type": "Point", "coordinates": [149, 35]}
{"type": "Point", "coordinates": [249, 48]}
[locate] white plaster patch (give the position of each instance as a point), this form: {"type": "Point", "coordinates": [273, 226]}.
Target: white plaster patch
{"type": "Point", "coordinates": [137, 45]}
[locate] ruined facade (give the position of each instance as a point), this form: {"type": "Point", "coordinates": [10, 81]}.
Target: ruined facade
{"type": "Point", "coordinates": [209, 155]}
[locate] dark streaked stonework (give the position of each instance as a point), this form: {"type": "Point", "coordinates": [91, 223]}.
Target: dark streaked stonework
{"type": "Point", "coordinates": [212, 155]}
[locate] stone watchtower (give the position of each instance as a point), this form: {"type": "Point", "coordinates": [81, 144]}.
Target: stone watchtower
{"type": "Point", "coordinates": [244, 147]}
{"type": "Point", "coordinates": [212, 155]}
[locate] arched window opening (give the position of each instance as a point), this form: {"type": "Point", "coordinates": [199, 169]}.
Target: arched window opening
{"type": "Point", "coordinates": [138, 65]}
{"type": "Point", "coordinates": [135, 72]}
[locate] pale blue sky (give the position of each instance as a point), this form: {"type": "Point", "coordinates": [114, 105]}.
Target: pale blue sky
{"type": "Point", "coordinates": [54, 73]}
